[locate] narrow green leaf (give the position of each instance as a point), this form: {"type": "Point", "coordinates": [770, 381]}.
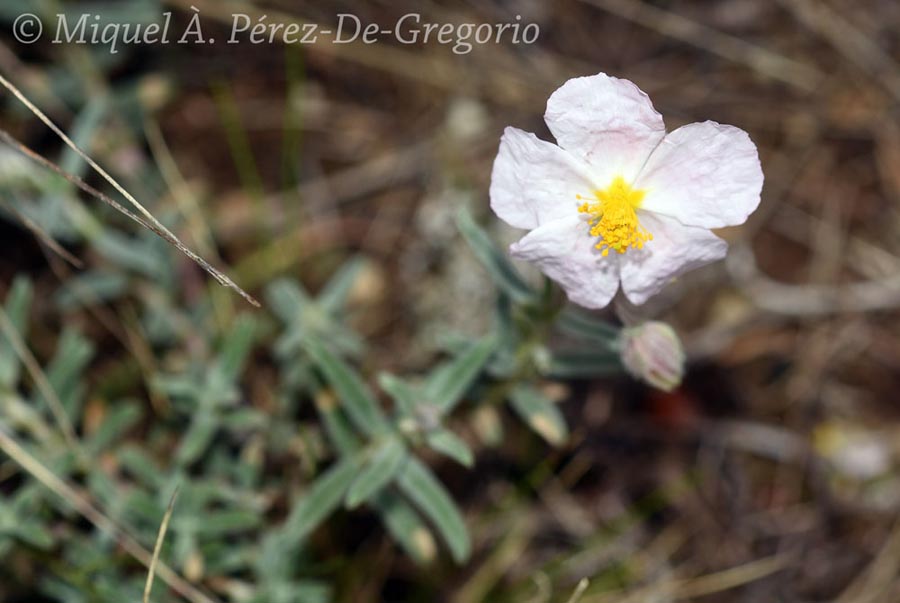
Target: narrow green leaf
{"type": "Point", "coordinates": [400, 391]}
{"type": "Point", "coordinates": [287, 299]}
{"type": "Point", "coordinates": [406, 527]}
{"type": "Point", "coordinates": [83, 130]}
{"type": "Point", "coordinates": [580, 324]}
{"type": "Point", "coordinates": [448, 383]}
{"type": "Point", "coordinates": [323, 497]}
{"type": "Point", "coordinates": [136, 461]}
{"type": "Point", "coordinates": [246, 420]}
{"type": "Point", "coordinates": [287, 591]}
{"type": "Point", "coordinates": [18, 302]}
{"type": "Point", "coordinates": [132, 253]}
{"type": "Point", "coordinates": [579, 364]}
{"type": "Point", "coordinates": [73, 353]}
{"type": "Point", "coordinates": [508, 338]}
{"type": "Point", "coordinates": [419, 484]}
{"type": "Point", "coordinates": [220, 523]}
{"type": "Point", "coordinates": [236, 346]}
{"type": "Point", "coordinates": [66, 371]}
{"type": "Point", "coordinates": [334, 295]}
{"type": "Point", "coordinates": [340, 432]}
{"type": "Point", "coordinates": [180, 385]}
{"type": "Point", "coordinates": [356, 399]}
{"type": "Point", "coordinates": [540, 413]}
{"type": "Point", "coordinates": [198, 437]}
{"type": "Point", "coordinates": [448, 443]}
{"type": "Point", "coordinates": [302, 315]}
{"type": "Point", "coordinates": [496, 263]}
{"type": "Point", "coordinates": [35, 534]}
{"type": "Point", "coordinates": [378, 473]}
{"type": "Point", "coordinates": [121, 417]}
{"type": "Point", "coordinates": [91, 287]}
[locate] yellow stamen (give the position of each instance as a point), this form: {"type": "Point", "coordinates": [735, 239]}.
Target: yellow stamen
{"type": "Point", "coordinates": [613, 217]}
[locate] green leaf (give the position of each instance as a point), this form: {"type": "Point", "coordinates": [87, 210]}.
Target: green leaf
{"type": "Point", "coordinates": [498, 266]}
{"type": "Point", "coordinates": [340, 432]}
{"type": "Point", "coordinates": [285, 591]}
{"type": "Point", "coordinates": [302, 316]}
{"type": "Point", "coordinates": [323, 497]}
{"type": "Point", "coordinates": [334, 295]}
{"type": "Point", "coordinates": [83, 130]}
{"type": "Point", "coordinates": [584, 364]}
{"type": "Point", "coordinates": [66, 371]}
{"type": "Point", "coordinates": [356, 399]}
{"type": "Point", "coordinates": [447, 384]}
{"type": "Point", "coordinates": [122, 416]}
{"type": "Point", "coordinates": [236, 347]}
{"type": "Point", "coordinates": [448, 443]}
{"type": "Point", "coordinates": [73, 354]}
{"type": "Point", "coordinates": [580, 324]}
{"type": "Point", "coordinates": [287, 299]}
{"type": "Point", "coordinates": [137, 462]}
{"type": "Point", "coordinates": [219, 523]}
{"type": "Point", "coordinates": [406, 527]}
{"type": "Point", "coordinates": [88, 288]}
{"type": "Point", "coordinates": [178, 386]}
{"type": "Point", "coordinates": [18, 302]}
{"type": "Point", "coordinates": [540, 413]}
{"type": "Point", "coordinates": [245, 420]}
{"type": "Point", "coordinates": [403, 394]}
{"type": "Point", "coordinates": [132, 253]}
{"type": "Point", "coordinates": [378, 473]}
{"type": "Point", "coordinates": [419, 484]}
{"type": "Point", "coordinates": [198, 437]}
{"type": "Point", "coordinates": [35, 534]}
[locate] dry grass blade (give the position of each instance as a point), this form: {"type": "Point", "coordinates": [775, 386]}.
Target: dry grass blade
{"type": "Point", "coordinates": [148, 221]}
{"type": "Point", "coordinates": [153, 226]}
{"type": "Point", "coordinates": [690, 589]}
{"type": "Point", "coordinates": [158, 547]}
{"type": "Point", "coordinates": [579, 590]}
{"type": "Point", "coordinates": [40, 380]}
{"type": "Point", "coordinates": [731, 578]}
{"type": "Point", "coordinates": [83, 505]}
{"type": "Point", "coordinates": [874, 582]}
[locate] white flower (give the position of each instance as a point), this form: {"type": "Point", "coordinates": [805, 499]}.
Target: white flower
{"type": "Point", "coordinates": [618, 182]}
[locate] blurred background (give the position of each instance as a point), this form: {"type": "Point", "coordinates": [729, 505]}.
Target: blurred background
{"type": "Point", "coordinates": [770, 475]}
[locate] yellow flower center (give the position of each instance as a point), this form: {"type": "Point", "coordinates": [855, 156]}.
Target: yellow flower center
{"type": "Point", "coordinates": [613, 217]}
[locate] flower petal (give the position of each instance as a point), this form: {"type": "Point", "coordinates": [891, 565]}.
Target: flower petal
{"type": "Point", "coordinates": [564, 251]}
{"type": "Point", "coordinates": [535, 182]}
{"type": "Point", "coordinates": [674, 250]}
{"type": "Point", "coordinates": [703, 174]}
{"type": "Point", "coordinates": [607, 121]}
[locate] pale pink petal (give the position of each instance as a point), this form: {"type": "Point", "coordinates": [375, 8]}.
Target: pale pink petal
{"type": "Point", "coordinates": [607, 121]}
{"type": "Point", "coordinates": [564, 251]}
{"type": "Point", "coordinates": [535, 182]}
{"type": "Point", "coordinates": [703, 174]}
{"type": "Point", "coordinates": [674, 250]}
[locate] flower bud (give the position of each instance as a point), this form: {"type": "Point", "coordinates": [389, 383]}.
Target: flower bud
{"type": "Point", "coordinates": [652, 352]}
